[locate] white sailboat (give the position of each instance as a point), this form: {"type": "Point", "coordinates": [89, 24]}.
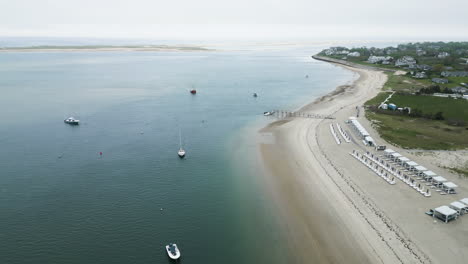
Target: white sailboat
{"type": "Point", "coordinates": [181, 151]}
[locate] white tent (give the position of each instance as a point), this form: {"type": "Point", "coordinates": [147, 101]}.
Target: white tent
{"type": "Point", "coordinates": [428, 175]}
{"type": "Point", "coordinates": [445, 213]}
{"type": "Point", "coordinates": [437, 181]}
{"type": "Point", "coordinates": [419, 170]}
{"type": "Point", "coordinates": [411, 164]}
{"type": "Point", "coordinates": [459, 207]}
{"type": "Point", "coordinates": [449, 187]}
{"type": "Point", "coordinates": [464, 200]}
{"type": "Point", "coordinates": [403, 159]}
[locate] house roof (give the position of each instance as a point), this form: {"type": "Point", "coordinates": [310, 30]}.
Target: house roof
{"type": "Point", "coordinates": [412, 163]}
{"type": "Point", "coordinates": [389, 150]}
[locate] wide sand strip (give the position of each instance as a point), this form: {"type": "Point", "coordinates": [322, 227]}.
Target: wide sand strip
{"type": "Point", "coordinates": [335, 209]}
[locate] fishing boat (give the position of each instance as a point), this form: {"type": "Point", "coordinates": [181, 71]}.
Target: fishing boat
{"type": "Point", "coordinates": [173, 251]}
{"type": "Point", "coordinates": [72, 121]}
{"type": "Point", "coordinates": [181, 151]}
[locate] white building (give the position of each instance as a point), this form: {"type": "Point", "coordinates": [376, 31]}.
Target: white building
{"type": "Point", "coordinates": [405, 61]}
{"type": "Point", "coordinates": [377, 59]}
{"type": "Point", "coordinates": [443, 55]}
{"type": "Point", "coordinates": [354, 54]}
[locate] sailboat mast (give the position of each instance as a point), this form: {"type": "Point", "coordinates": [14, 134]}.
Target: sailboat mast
{"type": "Point", "coordinates": [180, 139]}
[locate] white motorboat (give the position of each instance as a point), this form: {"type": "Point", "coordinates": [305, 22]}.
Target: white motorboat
{"type": "Point", "coordinates": [173, 251]}
{"type": "Point", "coordinates": [268, 113]}
{"type": "Point", "coordinates": [72, 121]}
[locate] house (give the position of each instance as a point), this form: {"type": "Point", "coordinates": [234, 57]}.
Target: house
{"type": "Point", "coordinates": [460, 90]}
{"type": "Point", "coordinates": [421, 67]}
{"type": "Point", "coordinates": [454, 74]}
{"type": "Point", "coordinates": [377, 59]}
{"type": "Point", "coordinates": [420, 52]}
{"type": "Point", "coordinates": [465, 59]}
{"type": "Point", "coordinates": [354, 54]}
{"type": "Point", "coordinates": [406, 60]}
{"type": "Point", "coordinates": [443, 55]}
{"type": "Point", "coordinates": [420, 75]}
{"type": "Point", "coordinates": [440, 80]}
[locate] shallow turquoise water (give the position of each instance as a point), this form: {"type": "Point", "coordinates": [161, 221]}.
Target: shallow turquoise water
{"type": "Point", "coordinates": [60, 202]}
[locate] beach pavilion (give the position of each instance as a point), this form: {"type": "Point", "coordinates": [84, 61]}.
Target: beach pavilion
{"type": "Point", "coordinates": [449, 187]}
{"type": "Point", "coordinates": [411, 165]}
{"type": "Point", "coordinates": [428, 175]}
{"type": "Point", "coordinates": [459, 207]}
{"type": "Point", "coordinates": [388, 152]}
{"type": "Point", "coordinates": [395, 155]}
{"type": "Point", "coordinates": [437, 181]}
{"type": "Point", "coordinates": [464, 200]}
{"type": "Point", "coordinates": [403, 160]}
{"type": "Point", "coordinates": [445, 213]}
{"type": "Point", "coordinates": [419, 170]}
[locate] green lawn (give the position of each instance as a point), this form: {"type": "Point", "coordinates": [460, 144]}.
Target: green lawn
{"type": "Point", "coordinates": [451, 108]}
{"type": "Point", "coordinates": [419, 133]}
{"type": "Point", "coordinates": [403, 83]}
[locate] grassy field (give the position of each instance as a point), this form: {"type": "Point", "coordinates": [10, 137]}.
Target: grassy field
{"type": "Point", "coordinates": [451, 108]}
{"type": "Point", "coordinates": [419, 133]}
{"type": "Point", "coordinates": [402, 83]}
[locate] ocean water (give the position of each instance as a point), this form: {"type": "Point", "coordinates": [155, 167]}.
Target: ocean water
{"type": "Point", "coordinates": [62, 202]}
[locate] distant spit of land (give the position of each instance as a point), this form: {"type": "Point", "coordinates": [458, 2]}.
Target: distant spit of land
{"type": "Point", "coordinates": [87, 48]}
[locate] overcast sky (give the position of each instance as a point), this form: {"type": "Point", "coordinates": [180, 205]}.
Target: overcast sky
{"type": "Point", "coordinates": [237, 19]}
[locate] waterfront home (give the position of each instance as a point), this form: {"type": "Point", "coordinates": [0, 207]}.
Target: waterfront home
{"type": "Point", "coordinates": [460, 90]}
{"type": "Point", "coordinates": [420, 52]}
{"type": "Point", "coordinates": [354, 54]}
{"type": "Point", "coordinates": [379, 59]}
{"type": "Point", "coordinates": [454, 74]}
{"type": "Point", "coordinates": [406, 60]}
{"type": "Point", "coordinates": [443, 55]}
{"type": "Point", "coordinates": [420, 75]}
{"type": "Point", "coordinates": [421, 67]}
{"type": "Point", "coordinates": [440, 80]}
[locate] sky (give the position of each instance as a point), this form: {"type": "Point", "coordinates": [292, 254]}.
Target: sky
{"type": "Point", "coordinates": [254, 20]}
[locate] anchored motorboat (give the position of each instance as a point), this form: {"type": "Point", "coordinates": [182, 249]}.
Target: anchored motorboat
{"type": "Point", "coordinates": [193, 91]}
{"type": "Point", "coordinates": [72, 121]}
{"type": "Point", "coordinates": [268, 113]}
{"type": "Point", "coordinates": [173, 251]}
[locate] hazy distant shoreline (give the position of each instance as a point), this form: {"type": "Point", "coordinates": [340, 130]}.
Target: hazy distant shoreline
{"type": "Point", "coordinates": [88, 48]}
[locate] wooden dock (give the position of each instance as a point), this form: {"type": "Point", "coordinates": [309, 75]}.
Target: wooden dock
{"type": "Point", "coordinates": [281, 114]}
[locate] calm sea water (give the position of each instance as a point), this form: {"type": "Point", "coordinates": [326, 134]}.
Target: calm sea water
{"type": "Point", "coordinates": [61, 202]}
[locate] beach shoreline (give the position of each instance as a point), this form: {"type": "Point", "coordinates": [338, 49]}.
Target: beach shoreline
{"type": "Point", "coordinates": [334, 210]}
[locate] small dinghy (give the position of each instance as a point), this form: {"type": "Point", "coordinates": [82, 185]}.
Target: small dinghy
{"type": "Point", "coordinates": [173, 251]}
{"type": "Point", "coordinates": [72, 121]}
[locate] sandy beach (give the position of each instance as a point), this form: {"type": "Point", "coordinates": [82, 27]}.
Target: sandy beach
{"type": "Point", "coordinates": [336, 210]}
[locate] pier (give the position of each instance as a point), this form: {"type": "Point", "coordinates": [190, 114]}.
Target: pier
{"type": "Point", "coordinates": [286, 114]}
